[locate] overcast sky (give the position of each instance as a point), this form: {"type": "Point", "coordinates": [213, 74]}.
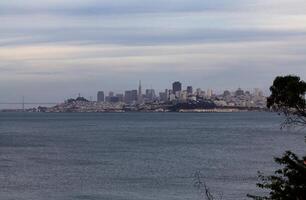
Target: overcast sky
{"type": "Point", "coordinates": [54, 49]}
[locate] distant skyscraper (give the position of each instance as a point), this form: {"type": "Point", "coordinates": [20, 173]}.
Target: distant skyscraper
{"type": "Point", "coordinates": [100, 96]}
{"type": "Point", "coordinates": [140, 99]}
{"type": "Point", "coordinates": [111, 94]}
{"type": "Point", "coordinates": [139, 88]}
{"type": "Point", "coordinates": [113, 99]}
{"type": "Point", "coordinates": [120, 97]}
{"type": "Point", "coordinates": [167, 94]}
{"type": "Point", "coordinates": [150, 94]}
{"type": "Point", "coordinates": [134, 95]}
{"type": "Point", "coordinates": [176, 87]}
{"type": "Point", "coordinates": [189, 90]}
{"type": "Point", "coordinates": [108, 99]}
{"type": "Point", "coordinates": [130, 96]}
{"type": "Point", "coordinates": [163, 96]}
{"type": "Point", "coordinates": [258, 92]}
{"type": "Point", "coordinates": [209, 93]}
{"type": "Point", "coordinates": [199, 91]}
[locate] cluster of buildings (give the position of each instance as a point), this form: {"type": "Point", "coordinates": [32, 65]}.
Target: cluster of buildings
{"type": "Point", "coordinates": [177, 94]}
{"type": "Point", "coordinates": [84, 106]}
{"type": "Point", "coordinates": [129, 96]}
{"type": "Point", "coordinates": [175, 99]}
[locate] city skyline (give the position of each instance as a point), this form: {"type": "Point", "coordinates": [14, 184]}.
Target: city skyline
{"type": "Point", "coordinates": [56, 49]}
{"type": "Point", "coordinates": [178, 93]}
{"type": "Point", "coordinates": [176, 99]}
{"type": "Point", "coordinates": [139, 92]}
{"type": "Point", "coordinates": [94, 96]}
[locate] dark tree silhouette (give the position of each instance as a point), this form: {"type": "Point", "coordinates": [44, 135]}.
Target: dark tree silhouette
{"type": "Point", "coordinates": [203, 189]}
{"type": "Point", "coordinates": [288, 97]}
{"type": "Point", "coordinates": [289, 182]}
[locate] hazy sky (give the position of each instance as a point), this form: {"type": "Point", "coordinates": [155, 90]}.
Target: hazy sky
{"type": "Point", "coordinates": [53, 49]}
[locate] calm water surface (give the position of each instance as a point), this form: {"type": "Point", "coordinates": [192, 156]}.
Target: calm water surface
{"type": "Point", "coordinates": [137, 156]}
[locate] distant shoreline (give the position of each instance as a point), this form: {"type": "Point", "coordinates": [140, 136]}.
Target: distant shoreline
{"type": "Point", "coordinates": [216, 110]}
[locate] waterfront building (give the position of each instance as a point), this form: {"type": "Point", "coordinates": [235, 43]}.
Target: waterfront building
{"type": "Point", "coordinates": [220, 103]}
{"type": "Point", "coordinates": [192, 98]}
{"type": "Point", "coordinates": [100, 96]}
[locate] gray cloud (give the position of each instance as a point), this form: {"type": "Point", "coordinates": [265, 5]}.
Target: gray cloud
{"type": "Point", "coordinates": [68, 46]}
{"type": "Point", "coordinates": [107, 7]}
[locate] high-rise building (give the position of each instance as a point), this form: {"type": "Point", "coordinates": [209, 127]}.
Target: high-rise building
{"type": "Point", "coordinates": [134, 95]}
{"type": "Point", "coordinates": [100, 96]}
{"type": "Point", "coordinates": [120, 97]}
{"type": "Point", "coordinates": [109, 97]}
{"type": "Point", "coordinates": [111, 94]}
{"type": "Point", "coordinates": [258, 92]}
{"type": "Point", "coordinates": [189, 90]}
{"type": "Point", "coordinates": [209, 93]}
{"type": "Point", "coordinates": [168, 92]}
{"type": "Point", "coordinates": [176, 87]}
{"type": "Point", "coordinates": [140, 98]}
{"type": "Point", "coordinates": [139, 89]}
{"type": "Point", "coordinates": [199, 91]}
{"type": "Point", "coordinates": [163, 96]}
{"type": "Point", "coordinates": [130, 96]}
{"type": "Point", "coordinates": [150, 94]}
{"type": "Point", "coordinates": [114, 99]}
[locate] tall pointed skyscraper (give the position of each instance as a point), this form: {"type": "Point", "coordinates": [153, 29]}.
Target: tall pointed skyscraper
{"type": "Point", "coordinates": [140, 100]}
{"type": "Point", "coordinates": [139, 88]}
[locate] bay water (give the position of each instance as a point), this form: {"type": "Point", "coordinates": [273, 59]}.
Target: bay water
{"type": "Point", "coordinates": [138, 156]}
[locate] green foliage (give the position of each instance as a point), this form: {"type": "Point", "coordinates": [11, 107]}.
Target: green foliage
{"type": "Point", "coordinates": [288, 95]}
{"type": "Point", "coordinates": [289, 182]}
{"type": "Point", "coordinates": [81, 99]}
{"type": "Point", "coordinates": [71, 100]}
